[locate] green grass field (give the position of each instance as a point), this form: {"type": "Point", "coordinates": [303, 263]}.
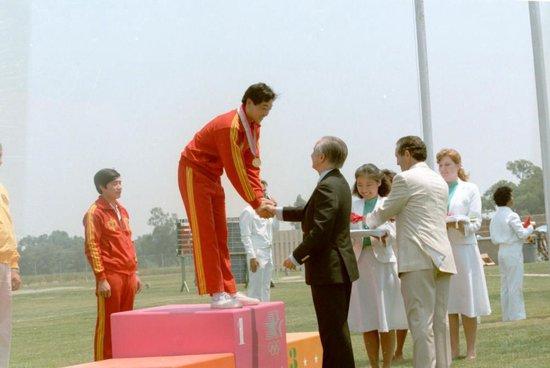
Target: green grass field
{"type": "Point", "coordinates": [54, 320]}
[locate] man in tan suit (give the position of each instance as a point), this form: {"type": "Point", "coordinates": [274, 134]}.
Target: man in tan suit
{"type": "Point", "coordinates": [418, 200]}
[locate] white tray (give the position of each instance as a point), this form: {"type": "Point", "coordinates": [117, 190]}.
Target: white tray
{"type": "Point", "coordinates": [368, 232]}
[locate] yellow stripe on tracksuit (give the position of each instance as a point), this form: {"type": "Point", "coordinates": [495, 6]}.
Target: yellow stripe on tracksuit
{"type": "Point", "coordinates": [100, 333]}
{"type": "Point", "coordinates": [197, 250]}
{"type": "Point", "coordinates": [239, 161]}
{"type": "Point", "coordinates": [91, 244]}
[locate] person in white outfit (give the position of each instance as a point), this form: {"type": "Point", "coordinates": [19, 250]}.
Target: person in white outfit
{"type": "Point", "coordinates": [257, 237]}
{"type": "Point", "coordinates": [468, 296]}
{"type": "Point", "coordinates": [508, 233]}
{"type": "Point", "coordinates": [376, 305]}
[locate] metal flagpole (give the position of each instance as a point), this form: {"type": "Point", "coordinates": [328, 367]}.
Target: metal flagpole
{"type": "Point", "coordinates": [542, 101]}
{"type": "Point", "coordinates": [423, 77]}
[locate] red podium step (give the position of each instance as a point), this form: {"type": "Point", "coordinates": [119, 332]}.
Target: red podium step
{"type": "Point", "coordinates": [269, 335]}
{"type": "Point", "coordinates": [255, 335]}
{"type": "Point", "coordinates": [183, 329]}
{"type": "Point", "coordinates": [184, 361]}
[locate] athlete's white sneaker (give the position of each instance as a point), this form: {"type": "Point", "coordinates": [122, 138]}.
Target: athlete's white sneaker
{"type": "Point", "coordinates": [244, 300]}
{"type": "Point", "coordinates": [224, 301]}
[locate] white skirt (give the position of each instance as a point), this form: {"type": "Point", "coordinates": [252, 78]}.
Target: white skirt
{"type": "Point", "coordinates": [376, 302]}
{"type": "Point", "coordinates": [468, 288]}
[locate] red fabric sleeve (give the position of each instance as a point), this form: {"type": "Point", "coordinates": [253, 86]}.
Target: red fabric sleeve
{"type": "Point", "coordinates": [237, 161]}
{"type": "Point", "coordinates": [92, 227]}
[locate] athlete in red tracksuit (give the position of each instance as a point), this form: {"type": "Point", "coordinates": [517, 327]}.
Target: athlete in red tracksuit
{"type": "Point", "coordinates": [112, 256]}
{"type": "Point", "coordinates": [227, 142]}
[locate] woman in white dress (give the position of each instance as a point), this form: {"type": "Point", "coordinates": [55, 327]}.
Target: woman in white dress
{"type": "Point", "coordinates": [468, 296]}
{"type": "Point", "coordinates": [376, 304]}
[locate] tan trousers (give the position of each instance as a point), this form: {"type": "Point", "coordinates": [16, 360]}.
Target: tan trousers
{"type": "Point", "coordinates": [426, 293]}
{"type": "Point", "coordinates": [5, 314]}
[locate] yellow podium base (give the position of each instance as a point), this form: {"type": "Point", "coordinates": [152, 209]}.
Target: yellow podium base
{"type": "Point", "coordinates": [304, 350]}
{"type": "Point", "coordinates": [182, 361]}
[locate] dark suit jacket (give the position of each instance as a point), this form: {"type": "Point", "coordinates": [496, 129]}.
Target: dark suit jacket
{"type": "Point", "coordinates": [326, 248]}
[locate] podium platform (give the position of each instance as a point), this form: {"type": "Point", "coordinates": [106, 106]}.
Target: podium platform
{"type": "Point", "coordinates": [181, 330]}
{"type": "Point", "coordinates": [184, 361]}
{"type": "Point", "coordinates": [304, 350]}
{"type": "Point", "coordinates": [268, 335]}
{"type": "Point", "coordinates": [256, 335]}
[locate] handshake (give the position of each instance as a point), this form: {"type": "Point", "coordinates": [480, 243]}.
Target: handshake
{"type": "Point", "coordinates": [267, 208]}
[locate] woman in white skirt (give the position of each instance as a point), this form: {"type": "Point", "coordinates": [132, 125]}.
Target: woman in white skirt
{"type": "Point", "coordinates": [376, 305]}
{"type": "Point", "coordinates": [468, 296]}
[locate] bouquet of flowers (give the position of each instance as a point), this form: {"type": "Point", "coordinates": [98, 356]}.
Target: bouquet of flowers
{"type": "Point", "coordinates": [354, 218]}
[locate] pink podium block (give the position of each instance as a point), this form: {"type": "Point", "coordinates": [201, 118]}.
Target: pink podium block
{"type": "Point", "coordinates": [269, 335]}
{"type": "Point", "coordinates": [183, 361]}
{"type": "Point", "coordinates": [183, 329]}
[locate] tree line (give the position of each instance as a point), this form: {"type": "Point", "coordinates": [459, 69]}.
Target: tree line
{"type": "Point", "coordinates": [528, 192]}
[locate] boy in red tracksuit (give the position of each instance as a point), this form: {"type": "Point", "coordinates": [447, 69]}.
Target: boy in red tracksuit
{"type": "Point", "coordinates": [112, 256]}
{"type": "Point", "coordinates": [229, 142]}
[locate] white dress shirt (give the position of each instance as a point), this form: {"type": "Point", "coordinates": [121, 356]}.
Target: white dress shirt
{"type": "Point", "coordinates": [115, 207]}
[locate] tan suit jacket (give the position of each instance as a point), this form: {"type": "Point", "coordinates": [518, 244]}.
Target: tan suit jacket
{"type": "Point", "coordinates": [418, 201]}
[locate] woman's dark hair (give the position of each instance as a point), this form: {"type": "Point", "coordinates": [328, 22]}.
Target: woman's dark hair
{"type": "Point", "coordinates": [370, 171]}
{"type": "Point", "coordinates": [258, 93]}
{"type": "Point", "coordinates": [502, 195]}
{"type": "Point", "coordinates": [104, 177]}
{"type": "Point", "coordinates": [389, 174]}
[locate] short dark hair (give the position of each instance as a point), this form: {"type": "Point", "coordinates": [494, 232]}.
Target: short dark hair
{"type": "Point", "coordinates": [258, 93]}
{"type": "Point", "coordinates": [502, 195]}
{"type": "Point", "coordinates": [334, 149]}
{"type": "Point", "coordinates": [104, 177]}
{"type": "Point", "coordinates": [414, 145]}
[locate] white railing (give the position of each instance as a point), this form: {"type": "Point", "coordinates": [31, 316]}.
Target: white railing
{"type": "Point", "coordinates": [284, 242]}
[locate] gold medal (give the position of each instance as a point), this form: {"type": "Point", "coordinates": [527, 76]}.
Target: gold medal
{"type": "Point", "coordinates": [256, 162]}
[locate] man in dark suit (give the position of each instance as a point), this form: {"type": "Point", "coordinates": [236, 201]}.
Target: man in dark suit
{"type": "Point", "coordinates": [326, 250]}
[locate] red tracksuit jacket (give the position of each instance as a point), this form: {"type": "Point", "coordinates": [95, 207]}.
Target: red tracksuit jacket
{"type": "Point", "coordinates": [108, 240]}
{"type": "Point", "coordinates": [222, 144]}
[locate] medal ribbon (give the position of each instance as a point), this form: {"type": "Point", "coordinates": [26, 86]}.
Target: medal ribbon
{"type": "Point", "coordinates": [249, 137]}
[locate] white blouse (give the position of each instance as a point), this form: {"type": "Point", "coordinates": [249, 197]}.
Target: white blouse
{"type": "Point", "coordinates": [465, 202]}
{"type": "Point", "coordinates": [382, 252]}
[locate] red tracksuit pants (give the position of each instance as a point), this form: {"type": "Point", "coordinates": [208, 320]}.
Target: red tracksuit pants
{"type": "Point", "coordinates": [204, 201]}
{"type": "Point", "coordinates": [123, 290]}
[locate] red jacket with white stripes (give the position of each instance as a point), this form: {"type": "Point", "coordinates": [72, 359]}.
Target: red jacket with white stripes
{"type": "Point", "coordinates": [108, 240]}
{"type": "Point", "coordinates": [222, 144]}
